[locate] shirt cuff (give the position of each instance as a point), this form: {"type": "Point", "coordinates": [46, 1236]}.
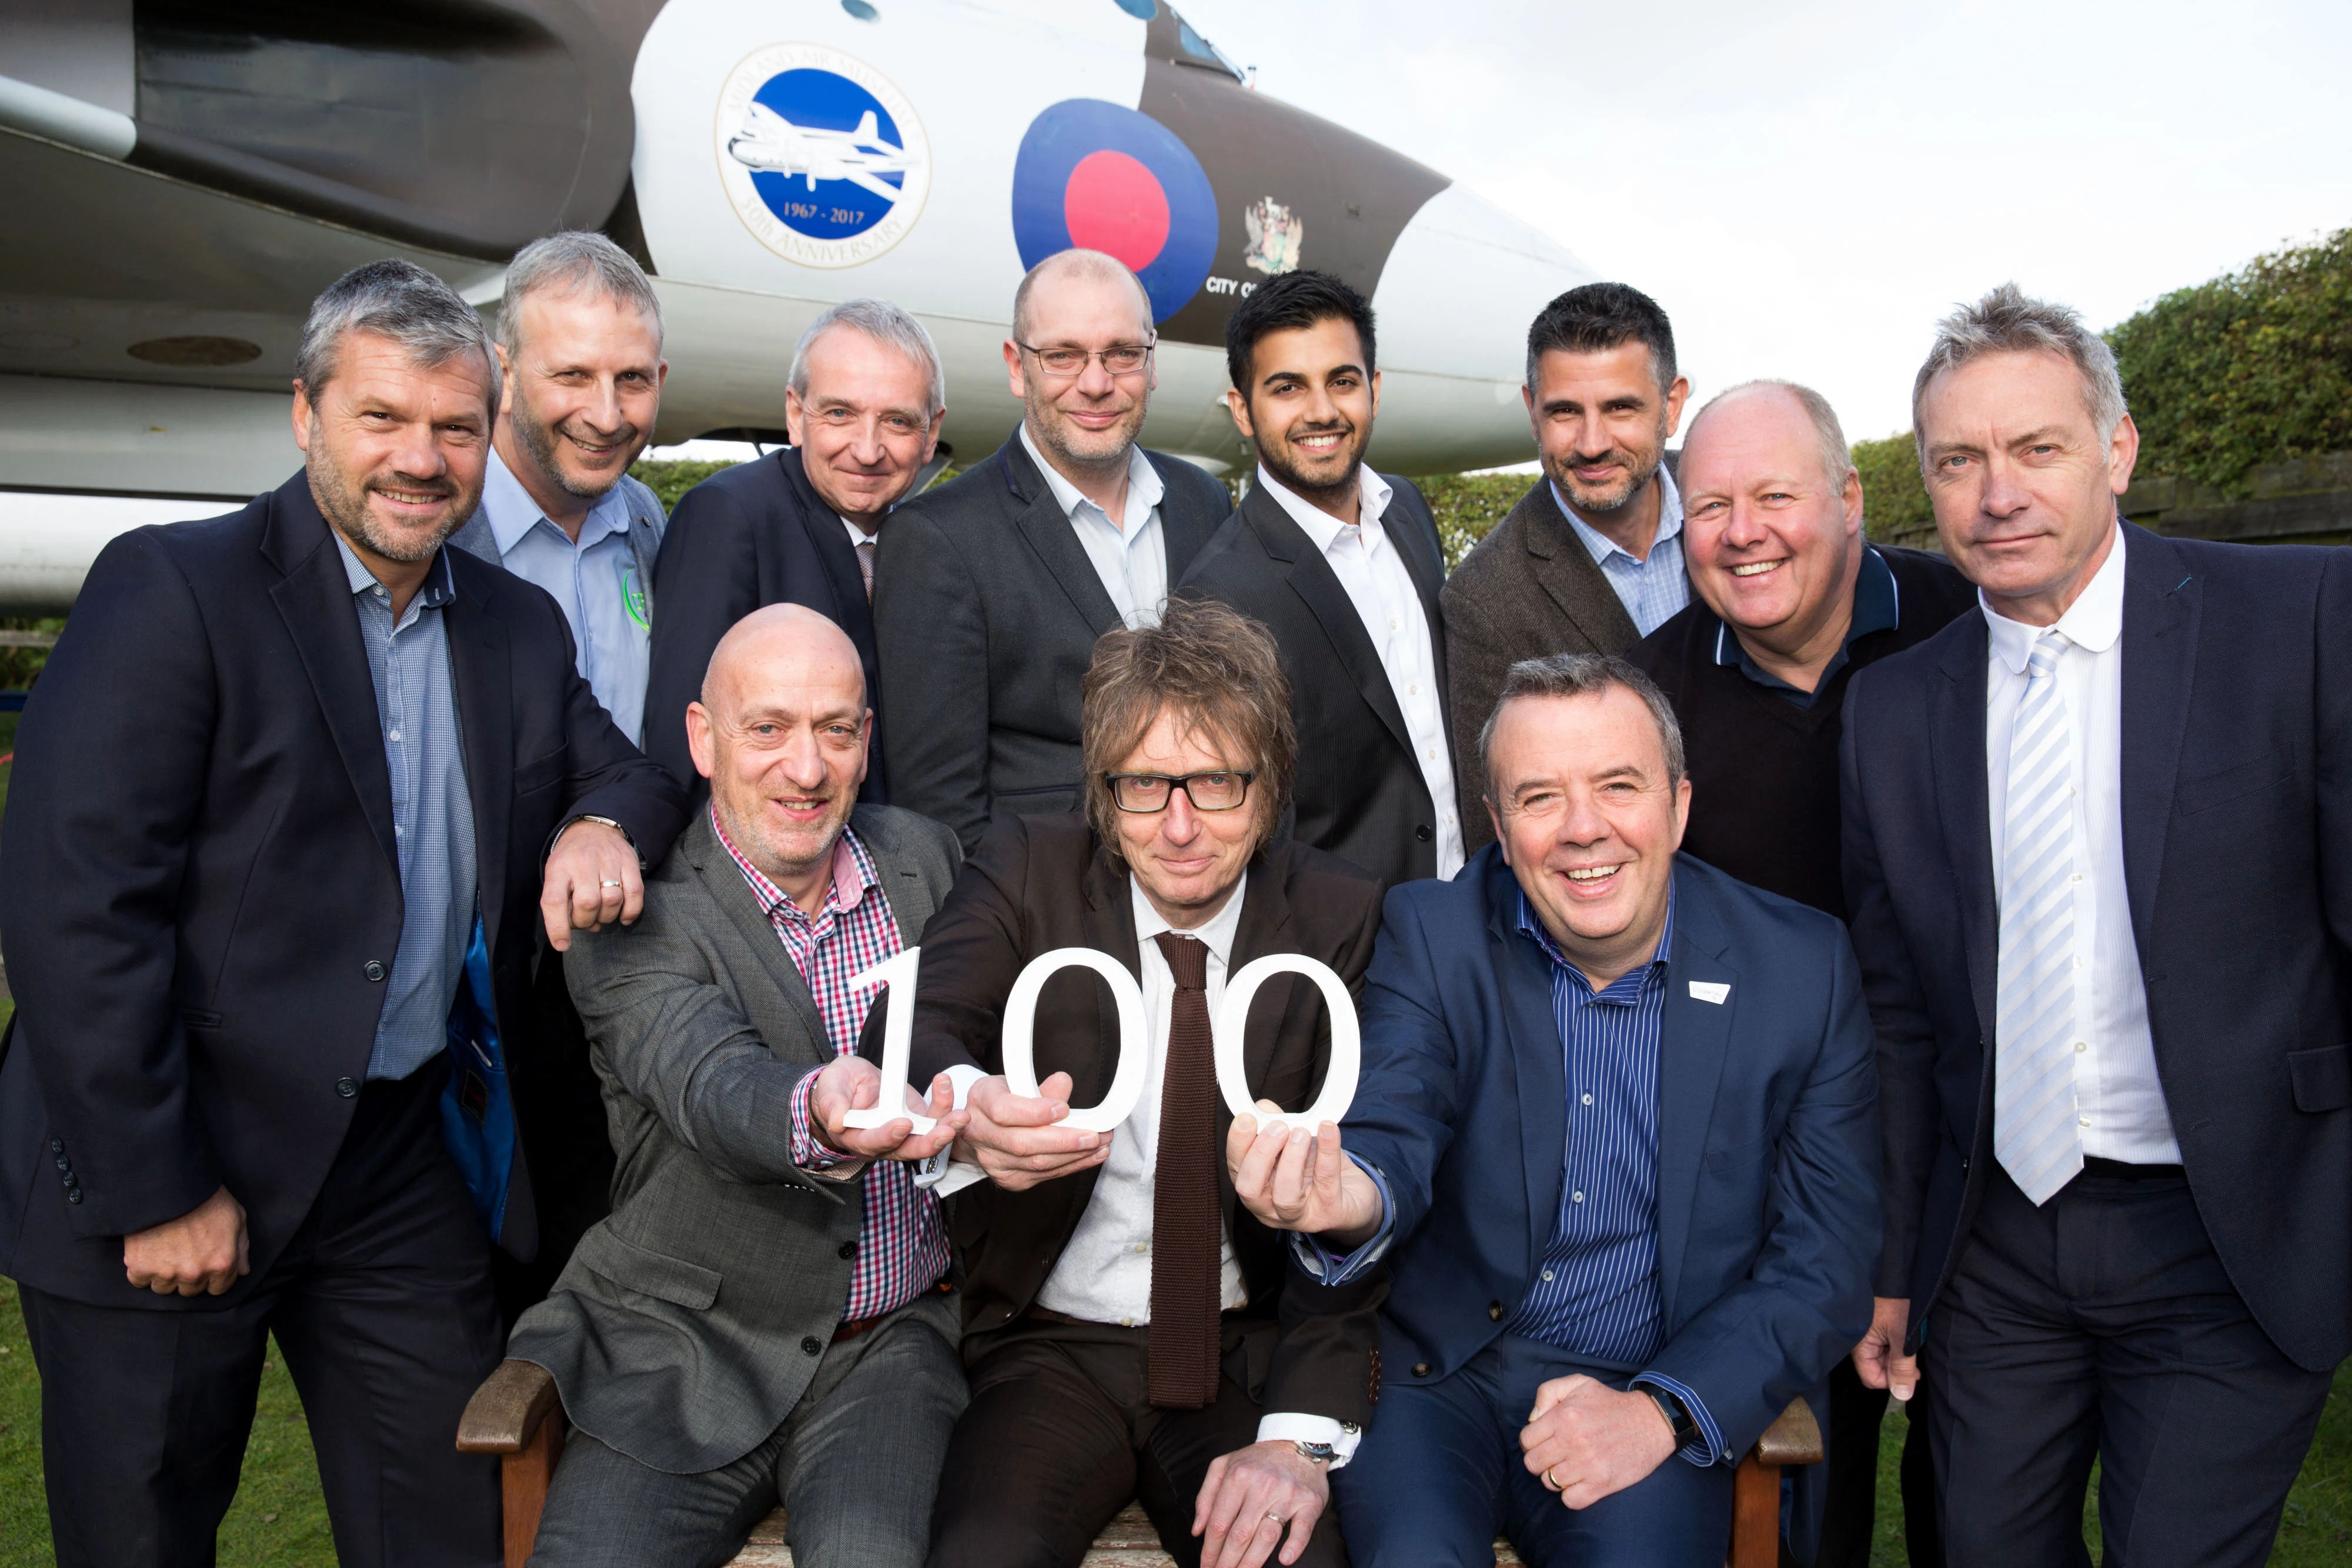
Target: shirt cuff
{"type": "Point", "coordinates": [1339, 1268]}
{"type": "Point", "coordinates": [810, 1152]}
{"type": "Point", "coordinates": [942, 1175]}
{"type": "Point", "coordinates": [1707, 1450]}
{"type": "Point", "coordinates": [1286, 1427]}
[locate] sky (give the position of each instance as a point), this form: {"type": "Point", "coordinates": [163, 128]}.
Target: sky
{"type": "Point", "coordinates": [1807, 186]}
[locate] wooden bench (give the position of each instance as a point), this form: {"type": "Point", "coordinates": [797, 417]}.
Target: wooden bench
{"type": "Point", "coordinates": [517, 1415]}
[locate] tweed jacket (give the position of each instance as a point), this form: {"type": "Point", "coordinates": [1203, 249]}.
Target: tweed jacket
{"type": "Point", "coordinates": [679, 1333]}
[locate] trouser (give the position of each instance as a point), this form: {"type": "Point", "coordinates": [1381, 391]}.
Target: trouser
{"type": "Point", "coordinates": [854, 1466]}
{"type": "Point", "coordinates": [382, 1304]}
{"type": "Point", "coordinates": [572, 1164]}
{"type": "Point", "coordinates": [1062, 1432]}
{"type": "Point", "coordinates": [2102, 1326]}
{"type": "Point", "coordinates": [1441, 1474]}
{"type": "Point", "coordinates": [1850, 1509]}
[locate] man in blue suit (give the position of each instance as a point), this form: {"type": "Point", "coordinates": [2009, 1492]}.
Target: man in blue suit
{"type": "Point", "coordinates": [1616, 1139]}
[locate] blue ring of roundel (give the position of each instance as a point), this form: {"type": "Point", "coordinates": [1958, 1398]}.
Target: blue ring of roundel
{"type": "Point", "coordinates": [1077, 127]}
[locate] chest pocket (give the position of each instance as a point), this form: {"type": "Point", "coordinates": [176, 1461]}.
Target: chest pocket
{"type": "Point", "coordinates": [540, 773]}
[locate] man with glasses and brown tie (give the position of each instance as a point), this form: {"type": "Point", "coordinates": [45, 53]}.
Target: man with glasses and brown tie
{"type": "Point", "coordinates": [1129, 1330]}
{"type": "Point", "coordinates": [988, 592]}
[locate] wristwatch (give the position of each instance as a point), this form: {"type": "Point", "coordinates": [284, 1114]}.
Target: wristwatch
{"type": "Point", "coordinates": [1315, 1453]}
{"type": "Point", "coordinates": [1677, 1417]}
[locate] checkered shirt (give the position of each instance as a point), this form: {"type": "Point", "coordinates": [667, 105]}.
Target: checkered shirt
{"type": "Point", "coordinates": [903, 1249]}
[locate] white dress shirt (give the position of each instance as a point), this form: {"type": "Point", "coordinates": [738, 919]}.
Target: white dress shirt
{"type": "Point", "coordinates": [593, 580]}
{"type": "Point", "coordinates": [2118, 1095]}
{"type": "Point", "coordinates": [1131, 560]}
{"type": "Point", "coordinates": [1381, 589]}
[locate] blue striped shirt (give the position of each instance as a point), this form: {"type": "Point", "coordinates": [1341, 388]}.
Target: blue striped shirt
{"type": "Point", "coordinates": [1654, 588]}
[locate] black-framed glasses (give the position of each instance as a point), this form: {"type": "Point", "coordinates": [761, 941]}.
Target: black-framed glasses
{"type": "Point", "coordinates": [1219, 790]}
{"type": "Point", "coordinates": [1067, 364]}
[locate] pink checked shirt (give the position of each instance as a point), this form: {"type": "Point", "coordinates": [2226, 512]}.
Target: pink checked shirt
{"type": "Point", "coordinates": [903, 1249]}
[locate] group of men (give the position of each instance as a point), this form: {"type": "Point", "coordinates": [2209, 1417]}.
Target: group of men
{"type": "Point", "coordinates": [1788, 967]}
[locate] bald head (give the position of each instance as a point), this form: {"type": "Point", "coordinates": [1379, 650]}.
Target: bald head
{"type": "Point", "coordinates": [779, 644]}
{"type": "Point", "coordinates": [1080, 273]}
{"type": "Point", "coordinates": [1785, 409]}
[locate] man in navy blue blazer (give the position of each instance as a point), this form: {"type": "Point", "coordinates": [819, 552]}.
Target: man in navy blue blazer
{"type": "Point", "coordinates": [2098, 851]}
{"type": "Point", "coordinates": [1616, 1139]}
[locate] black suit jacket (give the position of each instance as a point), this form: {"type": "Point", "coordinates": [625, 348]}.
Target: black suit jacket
{"type": "Point", "coordinates": [199, 891]}
{"type": "Point", "coordinates": [986, 610]}
{"type": "Point", "coordinates": [1359, 792]}
{"type": "Point", "coordinates": [1041, 882]}
{"type": "Point", "coordinates": [746, 537]}
{"type": "Point", "coordinates": [2237, 834]}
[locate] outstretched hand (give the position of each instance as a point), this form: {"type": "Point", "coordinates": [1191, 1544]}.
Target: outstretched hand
{"type": "Point", "coordinates": [1292, 1179]}
{"type": "Point", "coordinates": [852, 1083]}
{"type": "Point", "coordinates": [1014, 1137]}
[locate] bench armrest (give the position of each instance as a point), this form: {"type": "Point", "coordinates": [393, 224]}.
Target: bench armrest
{"type": "Point", "coordinates": [507, 1409]}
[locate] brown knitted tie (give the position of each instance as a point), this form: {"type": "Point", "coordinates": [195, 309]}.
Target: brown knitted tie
{"type": "Point", "coordinates": [1184, 1232]}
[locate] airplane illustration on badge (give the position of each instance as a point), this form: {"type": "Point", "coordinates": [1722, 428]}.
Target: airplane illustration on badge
{"type": "Point", "coordinates": [773, 144]}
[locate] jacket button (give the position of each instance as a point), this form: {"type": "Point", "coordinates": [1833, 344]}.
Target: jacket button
{"type": "Point", "coordinates": [64, 1163]}
{"type": "Point", "coordinates": [347, 1087]}
{"type": "Point", "coordinates": [812, 1346]}
{"type": "Point", "coordinates": [1420, 1369]}
{"type": "Point", "coordinates": [374, 969]}
{"type": "Point", "coordinates": [849, 1249]}
{"type": "Point", "coordinates": [71, 1181]}
{"type": "Point", "coordinates": [1424, 833]}
{"type": "Point", "coordinates": [57, 1146]}
{"type": "Point", "coordinates": [73, 1195]}
{"type": "Point", "coordinates": [1494, 1311]}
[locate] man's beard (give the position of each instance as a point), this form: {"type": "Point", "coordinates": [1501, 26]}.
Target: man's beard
{"type": "Point", "coordinates": [343, 502]}
{"type": "Point", "coordinates": [1054, 431]}
{"type": "Point", "coordinates": [1641, 468]}
{"type": "Point", "coordinates": [538, 439]}
{"type": "Point", "coordinates": [1274, 455]}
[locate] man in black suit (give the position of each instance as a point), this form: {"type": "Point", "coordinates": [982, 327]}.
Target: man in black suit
{"type": "Point", "coordinates": [991, 591]}
{"type": "Point", "coordinates": [863, 403]}
{"type": "Point", "coordinates": [278, 826]}
{"type": "Point", "coordinates": [1343, 565]}
{"type": "Point", "coordinates": [2099, 856]}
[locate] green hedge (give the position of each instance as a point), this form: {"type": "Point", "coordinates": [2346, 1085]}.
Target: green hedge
{"type": "Point", "coordinates": [1894, 509]}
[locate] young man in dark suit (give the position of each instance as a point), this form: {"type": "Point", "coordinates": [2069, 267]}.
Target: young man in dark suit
{"type": "Point", "coordinates": [274, 844]}
{"type": "Point", "coordinates": [2098, 851]}
{"type": "Point", "coordinates": [991, 591]}
{"type": "Point", "coordinates": [1343, 565]}
{"type": "Point", "coordinates": [1130, 1331]}
{"type": "Point", "coordinates": [863, 403]}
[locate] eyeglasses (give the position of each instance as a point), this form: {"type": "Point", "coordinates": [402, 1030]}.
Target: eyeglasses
{"type": "Point", "coordinates": [1065, 364]}
{"type": "Point", "coordinates": [1219, 792]}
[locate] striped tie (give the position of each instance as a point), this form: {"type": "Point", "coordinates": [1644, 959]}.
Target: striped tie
{"type": "Point", "coordinates": [2035, 1135]}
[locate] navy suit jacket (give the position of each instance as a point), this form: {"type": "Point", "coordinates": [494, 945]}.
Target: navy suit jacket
{"type": "Point", "coordinates": [200, 895]}
{"type": "Point", "coordinates": [2237, 833]}
{"type": "Point", "coordinates": [1767, 1135]}
{"type": "Point", "coordinates": [746, 537]}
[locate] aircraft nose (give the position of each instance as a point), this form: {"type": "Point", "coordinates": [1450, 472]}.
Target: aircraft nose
{"type": "Point", "coordinates": [1454, 304]}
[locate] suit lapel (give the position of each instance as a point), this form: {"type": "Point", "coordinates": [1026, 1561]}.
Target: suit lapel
{"type": "Point", "coordinates": [822, 529]}
{"type": "Point", "coordinates": [1108, 926]}
{"type": "Point", "coordinates": [1564, 570]}
{"type": "Point", "coordinates": [1318, 587]}
{"type": "Point", "coordinates": [1047, 529]}
{"type": "Point", "coordinates": [314, 597]}
{"type": "Point", "coordinates": [481, 677]}
{"type": "Point", "coordinates": [1693, 1037]}
{"type": "Point", "coordinates": [1424, 561]}
{"type": "Point", "coordinates": [2162, 606]}
{"type": "Point", "coordinates": [1956, 762]}
{"type": "Point", "coordinates": [1183, 532]}
{"type": "Point", "coordinates": [724, 880]}
{"type": "Point", "coordinates": [1523, 976]}
{"type": "Point", "coordinates": [1265, 928]}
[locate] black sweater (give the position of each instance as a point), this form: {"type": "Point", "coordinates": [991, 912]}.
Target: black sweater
{"type": "Point", "coordinates": [1764, 771]}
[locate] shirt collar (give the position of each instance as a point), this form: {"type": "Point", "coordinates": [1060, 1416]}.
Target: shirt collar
{"type": "Point", "coordinates": [1600, 546]}
{"type": "Point", "coordinates": [853, 873]}
{"type": "Point", "coordinates": [1372, 494]}
{"type": "Point", "coordinates": [440, 583]}
{"type": "Point", "coordinates": [512, 513]}
{"type": "Point", "coordinates": [2092, 622]}
{"type": "Point", "coordinates": [1877, 607]}
{"type": "Point", "coordinates": [1218, 933]}
{"type": "Point", "coordinates": [1532, 927]}
{"type": "Point", "coordinates": [1143, 486]}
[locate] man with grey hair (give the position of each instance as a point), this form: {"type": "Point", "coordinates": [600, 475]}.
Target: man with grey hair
{"type": "Point", "coordinates": [862, 402]}
{"type": "Point", "coordinates": [580, 344]}
{"type": "Point", "coordinates": [2098, 855]}
{"type": "Point", "coordinates": [287, 796]}
{"type": "Point", "coordinates": [1789, 600]}
{"type": "Point", "coordinates": [990, 593]}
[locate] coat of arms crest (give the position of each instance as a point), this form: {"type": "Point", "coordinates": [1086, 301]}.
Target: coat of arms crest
{"type": "Point", "coordinates": [1275, 234]}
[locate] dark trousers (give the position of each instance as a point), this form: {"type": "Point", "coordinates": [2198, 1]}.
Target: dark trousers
{"type": "Point", "coordinates": [1440, 1473]}
{"type": "Point", "coordinates": [1849, 1508]}
{"type": "Point", "coordinates": [382, 1304]}
{"type": "Point", "coordinates": [1060, 1433]}
{"type": "Point", "coordinates": [2102, 1326]}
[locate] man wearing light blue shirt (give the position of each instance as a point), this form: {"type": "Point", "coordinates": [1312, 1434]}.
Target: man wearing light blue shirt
{"type": "Point", "coordinates": [580, 337]}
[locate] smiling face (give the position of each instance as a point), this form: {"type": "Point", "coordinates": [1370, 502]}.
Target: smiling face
{"type": "Point", "coordinates": [781, 732]}
{"type": "Point", "coordinates": [1309, 407]}
{"type": "Point", "coordinates": [395, 453]}
{"type": "Point", "coordinates": [1589, 822]}
{"type": "Point", "coordinates": [582, 390]}
{"type": "Point", "coordinates": [1091, 420]}
{"type": "Point", "coordinates": [1187, 862]}
{"type": "Point", "coordinates": [2023, 488]}
{"type": "Point", "coordinates": [1773, 545]}
{"type": "Point", "coordinates": [861, 430]}
{"type": "Point", "coordinates": [1601, 422]}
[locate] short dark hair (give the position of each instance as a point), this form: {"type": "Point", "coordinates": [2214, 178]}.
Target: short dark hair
{"type": "Point", "coordinates": [1598, 317]}
{"type": "Point", "coordinates": [1583, 675]}
{"type": "Point", "coordinates": [1292, 302]}
{"type": "Point", "coordinates": [1220, 671]}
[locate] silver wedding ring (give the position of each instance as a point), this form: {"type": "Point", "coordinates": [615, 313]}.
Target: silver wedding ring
{"type": "Point", "coordinates": [608, 882]}
{"type": "Point", "coordinates": [1276, 1517]}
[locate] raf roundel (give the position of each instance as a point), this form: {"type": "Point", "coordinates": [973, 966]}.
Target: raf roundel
{"type": "Point", "coordinates": [1099, 176]}
{"type": "Point", "coordinates": [821, 158]}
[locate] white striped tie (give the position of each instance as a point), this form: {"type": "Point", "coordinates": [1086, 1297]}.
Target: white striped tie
{"type": "Point", "coordinates": [2035, 1134]}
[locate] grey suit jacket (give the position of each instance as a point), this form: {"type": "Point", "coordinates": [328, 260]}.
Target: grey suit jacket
{"type": "Point", "coordinates": [679, 1332]}
{"type": "Point", "coordinates": [647, 522]}
{"type": "Point", "coordinates": [1528, 588]}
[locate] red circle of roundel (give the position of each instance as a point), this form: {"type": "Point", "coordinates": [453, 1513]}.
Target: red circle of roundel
{"type": "Point", "coordinates": [1114, 204]}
